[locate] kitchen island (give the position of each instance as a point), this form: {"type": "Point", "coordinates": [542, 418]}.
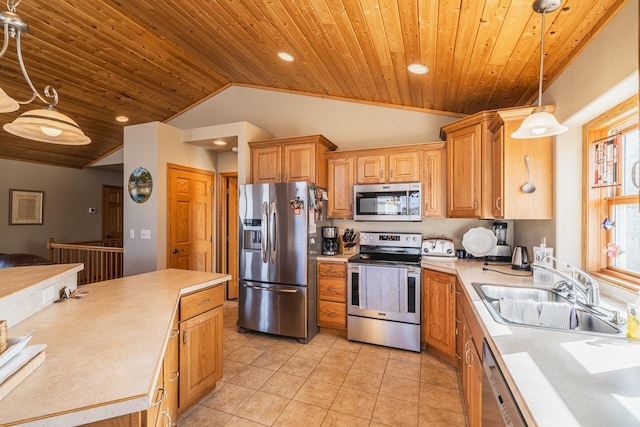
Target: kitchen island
{"type": "Point", "coordinates": [557, 378]}
{"type": "Point", "coordinates": [104, 350]}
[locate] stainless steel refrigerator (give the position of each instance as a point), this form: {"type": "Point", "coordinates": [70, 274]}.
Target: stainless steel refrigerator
{"type": "Point", "coordinates": [280, 239]}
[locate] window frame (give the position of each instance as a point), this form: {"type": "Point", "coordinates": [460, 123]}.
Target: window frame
{"type": "Point", "coordinates": [596, 204]}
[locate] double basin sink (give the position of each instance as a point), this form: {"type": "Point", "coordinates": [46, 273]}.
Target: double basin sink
{"type": "Point", "coordinates": [590, 320]}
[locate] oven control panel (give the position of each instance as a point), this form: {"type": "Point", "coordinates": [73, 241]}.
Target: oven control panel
{"type": "Point", "coordinates": [405, 240]}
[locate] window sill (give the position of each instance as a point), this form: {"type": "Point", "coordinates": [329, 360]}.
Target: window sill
{"type": "Point", "coordinates": [625, 282]}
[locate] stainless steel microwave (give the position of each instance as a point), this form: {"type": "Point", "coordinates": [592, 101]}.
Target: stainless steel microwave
{"type": "Point", "coordinates": [387, 202]}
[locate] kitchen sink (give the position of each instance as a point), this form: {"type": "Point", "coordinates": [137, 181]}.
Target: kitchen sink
{"type": "Point", "coordinates": [589, 320]}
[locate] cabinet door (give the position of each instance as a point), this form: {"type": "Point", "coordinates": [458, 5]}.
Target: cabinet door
{"type": "Point", "coordinates": [340, 189]}
{"type": "Point", "coordinates": [464, 188]}
{"type": "Point", "coordinates": [439, 327]}
{"type": "Point", "coordinates": [172, 372]}
{"type": "Point", "coordinates": [433, 183]}
{"type": "Point", "coordinates": [372, 169]}
{"type": "Point", "coordinates": [475, 389]}
{"type": "Point", "coordinates": [265, 164]}
{"type": "Point", "coordinates": [200, 355]}
{"type": "Point", "coordinates": [299, 162]}
{"type": "Point", "coordinates": [404, 167]}
{"type": "Point", "coordinates": [497, 149]}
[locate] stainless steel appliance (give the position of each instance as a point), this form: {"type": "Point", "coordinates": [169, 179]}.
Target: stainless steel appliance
{"type": "Point", "coordinates": [520, 259]}
{"type": "Point", "coordinates": [499, 408]}
{"type": "Point", "coordinates": [388, 202]}
{"type": "Point", "coordinates": [383, 291]}
{"type": "Point", "coordinates": [329, 240]}
{"type": "Point", "coordinates": [279, 242]}
{"type": "Point", "coordinates": [502, 251]}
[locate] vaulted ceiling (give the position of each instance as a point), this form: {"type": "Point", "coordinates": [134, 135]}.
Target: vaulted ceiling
{"type": "Point", "coordinates": [152, 59]}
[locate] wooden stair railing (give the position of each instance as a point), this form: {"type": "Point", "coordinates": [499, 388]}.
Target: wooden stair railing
{"type": "Point", "coordinates": [102, 259]}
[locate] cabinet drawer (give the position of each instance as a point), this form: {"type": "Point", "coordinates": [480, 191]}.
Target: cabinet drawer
{"type": "Point", "coordinates": [199, 302]}
{"type": "Point", "coordinates": [332, 289]}
{"type": "Point", "coordinates": [332, 269]}
{"type": "Point", "coordinates": [332, 314]}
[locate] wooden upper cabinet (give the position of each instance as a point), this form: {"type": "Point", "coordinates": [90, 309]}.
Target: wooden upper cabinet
{"type": "Point", "coordinates": [265, 164]}
{"type": "Point", "coordinates": [372, 169]}
{"type": "Point", "coordinates": [341, 176]}
{"type": "Point", "coordinates": [510, 169]}
{"type": "Point", "coordinates": [404, 166]}
{"type": "Point", "coordinates": [388, 165]}
{"type": "Point", "coordinates": [433, 181]}
{"type": "Point", "coordinates": [464, 189]}
{"type": "Point", "coordinates": [290, 159]}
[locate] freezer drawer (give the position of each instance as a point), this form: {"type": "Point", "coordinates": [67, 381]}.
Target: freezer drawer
{"type": "Point", "coordinates": [275, 309]}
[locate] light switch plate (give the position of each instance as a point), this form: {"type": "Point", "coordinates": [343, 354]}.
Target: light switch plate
{"type": "Point", "coordinates": [132, 233]}
{"type": "Point", "coordinates": [145, 234]}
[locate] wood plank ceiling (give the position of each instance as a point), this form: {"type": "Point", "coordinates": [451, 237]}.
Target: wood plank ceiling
{"type": "Point", "coordinates": [152, 59]}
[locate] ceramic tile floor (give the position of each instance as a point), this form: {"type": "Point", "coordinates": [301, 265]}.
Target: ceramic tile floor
{"type": "Point", "coordinates": [275, 381]}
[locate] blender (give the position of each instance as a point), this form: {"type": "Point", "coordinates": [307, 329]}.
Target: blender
{"type": "Point", "coordinates": [502, 251]}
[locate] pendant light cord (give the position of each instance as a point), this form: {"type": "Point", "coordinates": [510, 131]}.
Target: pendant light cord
{"type": "Point", "coordinates": [541, 60]}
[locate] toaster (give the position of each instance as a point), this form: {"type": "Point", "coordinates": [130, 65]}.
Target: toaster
{"type": "Point", "coordinates": [438, 248]}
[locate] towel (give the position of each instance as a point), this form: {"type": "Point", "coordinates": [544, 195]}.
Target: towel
{"type": "Point", "coordinates": [556, 314]}
{"type": "Point", "coordinates": [383, 288]}
{"type": "Point", "coordinates": [520, 311]}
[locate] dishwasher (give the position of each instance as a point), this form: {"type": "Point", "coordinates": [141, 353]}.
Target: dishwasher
{"type": "Point", "coordinates": [499, 408]}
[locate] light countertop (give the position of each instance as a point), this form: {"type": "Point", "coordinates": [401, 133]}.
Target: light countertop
{"type": "Point", "coordinates": [558, 378]}
{"type": "Point", "coordinates": [103, 351]}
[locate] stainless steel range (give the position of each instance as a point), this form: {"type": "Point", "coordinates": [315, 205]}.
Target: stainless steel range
{"type": "Point", "coordinates": [383, 301]}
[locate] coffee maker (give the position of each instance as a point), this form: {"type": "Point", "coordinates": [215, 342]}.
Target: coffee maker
{"type": "Point", "coordinates": [502, 251]}
{"type": "Point", "coordinates": [329, 240]}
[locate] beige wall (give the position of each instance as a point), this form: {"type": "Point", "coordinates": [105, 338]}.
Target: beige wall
{"type": "Point", "coordinates": [68, 195]}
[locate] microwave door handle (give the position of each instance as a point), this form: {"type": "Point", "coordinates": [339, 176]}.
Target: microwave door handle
{"type": "Point", "coordinates": [264, 239]}
{"type": "Point", "coordinates": [273, 225]}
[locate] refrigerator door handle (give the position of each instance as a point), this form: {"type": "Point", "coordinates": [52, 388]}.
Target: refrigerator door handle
{"type": "Point", "coordinates": [261, 288]}
{"type": "Point", "coordinates": [273, 232]}
{"type": "Point", "coordinates": [264, 240]}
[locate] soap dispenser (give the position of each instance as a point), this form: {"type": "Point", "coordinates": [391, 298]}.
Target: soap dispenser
{"type": "Point", "coordinates": [541, 255]}
{"type": "Point", "coordinates": [633, 319]}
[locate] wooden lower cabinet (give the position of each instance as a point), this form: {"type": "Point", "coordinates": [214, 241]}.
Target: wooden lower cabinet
{"type": "Point", "coordinates": [332, 297]}
{"type": "Point", "coordinates": [471, 339]}
{"type": "Point", "coordinates": [439, 313]}
{"type": "Point", "coordinates": [200, 356]}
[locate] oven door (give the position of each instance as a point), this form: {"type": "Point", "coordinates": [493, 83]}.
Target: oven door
{"type": "Point", "coordinates": [384, 292]}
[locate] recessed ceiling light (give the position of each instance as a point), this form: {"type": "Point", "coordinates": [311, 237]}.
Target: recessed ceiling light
{"type": "Point", "coordinates": [122, 119]}
{"type": "Point", "coordinates": [416, 68]}
{"type": "Point", "coordinates": [219, 142]}
{"type": "Point", "coordinates": [286, 56]}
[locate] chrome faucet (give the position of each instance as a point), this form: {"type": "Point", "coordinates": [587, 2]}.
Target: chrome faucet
{"type": "Point", "coordinates": [579, 281]}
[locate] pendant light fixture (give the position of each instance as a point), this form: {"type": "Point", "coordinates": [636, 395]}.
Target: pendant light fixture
{"type": "Point", "coordinates": [541, 123]}
{"type": "Point", "coordinates": [46, 124]}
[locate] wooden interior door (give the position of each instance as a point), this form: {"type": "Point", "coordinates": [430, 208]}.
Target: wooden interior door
{"type": "Point", "coordinates": [231, 233]}
{"type": "Point", "coordinates": [190, 245]}
{"type": "Point", "coordinates": [112, 212]}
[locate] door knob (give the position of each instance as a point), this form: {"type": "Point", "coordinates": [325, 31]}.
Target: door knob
{"type": "Point", "coordinates": [175, 251]}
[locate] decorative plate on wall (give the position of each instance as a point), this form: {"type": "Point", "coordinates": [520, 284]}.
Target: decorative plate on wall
{"type": "Point", "coordinates": [140, 185]}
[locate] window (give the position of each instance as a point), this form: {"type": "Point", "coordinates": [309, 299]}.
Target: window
{"type": "Point", "coordinates": [612, 194]}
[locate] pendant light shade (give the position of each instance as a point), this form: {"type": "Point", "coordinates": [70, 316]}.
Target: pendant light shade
{"type": "Point", "coordinates": [7, 103]}
{"type": "Point", "coordinates": [47, 125]}
{"type": "Point", "coordinates": [541, 123]}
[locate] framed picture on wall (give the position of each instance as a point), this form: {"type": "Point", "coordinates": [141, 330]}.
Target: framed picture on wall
{"type": "Point", "coordinates": [25, 207]}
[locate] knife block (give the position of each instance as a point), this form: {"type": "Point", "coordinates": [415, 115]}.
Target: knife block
{"type": "Point", "coordinates": [343, 250]}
